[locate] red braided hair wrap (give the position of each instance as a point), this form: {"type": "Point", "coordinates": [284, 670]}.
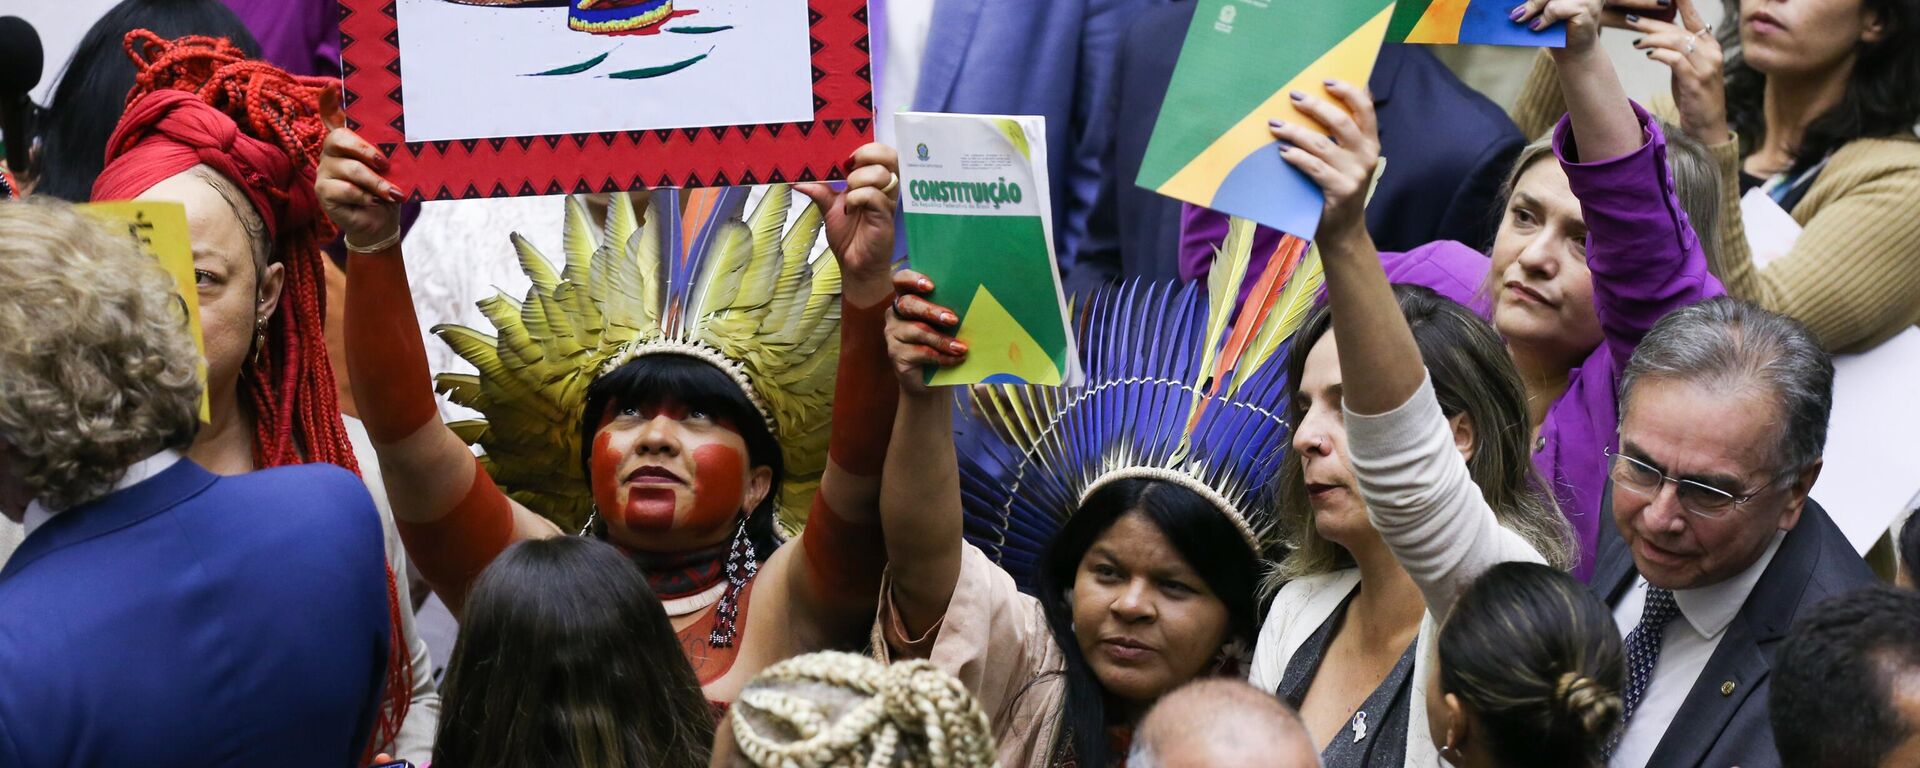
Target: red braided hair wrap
{"type": "Point", "coordinates": [200, 101]}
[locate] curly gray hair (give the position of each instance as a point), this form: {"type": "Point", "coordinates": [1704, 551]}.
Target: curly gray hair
{"type": "Point", "coordinates": [101, 370]}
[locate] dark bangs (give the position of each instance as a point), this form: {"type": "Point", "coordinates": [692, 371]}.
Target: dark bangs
{"type": "Point", "coordinates": [698, 384]}
{"type": "Point", "coordinates": [1205, 538]}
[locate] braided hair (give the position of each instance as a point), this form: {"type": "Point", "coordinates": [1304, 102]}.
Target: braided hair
{"type": "Point", "coordinates": [289, 386]}
{"type": "Point", "coordinates": [830, 709]}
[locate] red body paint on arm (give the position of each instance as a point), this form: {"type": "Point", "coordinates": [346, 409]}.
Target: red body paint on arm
{"type": "Point", "coordinates": [385, 357]}
{"type": "Point", "coordinates": [847, 556]}
{"type": "Point", "coordinates": [452, 550]}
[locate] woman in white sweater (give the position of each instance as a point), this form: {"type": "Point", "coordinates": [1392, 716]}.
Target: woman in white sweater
{"type": "Point", "coordinates": [1409, 468]}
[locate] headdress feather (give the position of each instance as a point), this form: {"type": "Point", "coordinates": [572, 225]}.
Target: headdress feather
{"type": "Point", "coordinates": [739, 294]}
{"type": "Point", "coordinates": [1148, 350]}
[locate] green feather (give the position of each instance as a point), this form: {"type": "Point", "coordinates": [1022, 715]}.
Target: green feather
{"type": "Point", "coordinates": [573, 69]}
{"type": "Point", "coordinates": [648, 72]}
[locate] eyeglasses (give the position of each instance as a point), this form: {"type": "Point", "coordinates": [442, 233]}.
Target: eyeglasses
{"type": "Point", "coordinates": [1698, 498]}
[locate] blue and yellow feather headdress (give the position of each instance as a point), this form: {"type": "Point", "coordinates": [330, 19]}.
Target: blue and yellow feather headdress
{"type": "Point", "coordinates": [1178, 389]}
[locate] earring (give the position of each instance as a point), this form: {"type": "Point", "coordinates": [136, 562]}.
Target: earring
{"type": "Point", "coordinates": [1450, 753]}
{"type": "Point", "coordinates": [259, 339]}
{"type": "Point", "coordinates": [742, 566]}
{"type": "Point", "coordinates": [593, 516]}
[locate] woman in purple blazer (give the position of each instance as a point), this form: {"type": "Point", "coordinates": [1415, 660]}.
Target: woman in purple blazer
{"type": "Point", "coordinates": [1589, 253]}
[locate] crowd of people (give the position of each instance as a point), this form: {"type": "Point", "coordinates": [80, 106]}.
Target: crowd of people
{"type": "Point", "coordinates": [1528, 483]}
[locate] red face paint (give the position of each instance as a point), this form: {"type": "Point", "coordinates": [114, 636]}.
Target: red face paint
{"type": "Point", "coordinates": [719, 481]}
{"type": "Point", "coordinates": [606, 473]}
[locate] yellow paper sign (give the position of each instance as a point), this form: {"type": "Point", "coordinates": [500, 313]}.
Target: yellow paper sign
{"type": "Point", "coordinates": [161, 230]}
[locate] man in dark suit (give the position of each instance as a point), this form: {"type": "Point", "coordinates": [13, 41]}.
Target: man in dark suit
{"type": "Point", "coordinates": [1448, 150]}
{"type": "Point", "coordinates": [157, 614]}
{"type": "Point", "coordinates": [1716, 548]}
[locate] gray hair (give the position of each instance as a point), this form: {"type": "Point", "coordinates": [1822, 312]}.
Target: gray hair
{"type": "Point", "coordinates": [1730, 344]}
{"type": "Point", "coordinates": [99, 366]}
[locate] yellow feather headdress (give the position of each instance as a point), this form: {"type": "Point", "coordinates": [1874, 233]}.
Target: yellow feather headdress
{"type": "Point", "coordinates": [740, 294]}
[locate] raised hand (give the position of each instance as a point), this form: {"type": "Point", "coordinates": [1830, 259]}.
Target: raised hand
{"type": "Point", "coordinates": [1343, 165]}
{"type": "Point", "coordinates": [1687, 46]}
{"type": "Point", "coordinates": [362, 203]}
{"type": "Point", "coordinates": [859, 221]}
{"type": "Point", "coordinates": [1583, 18]}
{"type": "Point", "coordinates": [918, 332]}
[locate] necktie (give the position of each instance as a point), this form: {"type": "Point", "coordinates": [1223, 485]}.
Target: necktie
{"type": "Point", "coordinates": [1643, 651]}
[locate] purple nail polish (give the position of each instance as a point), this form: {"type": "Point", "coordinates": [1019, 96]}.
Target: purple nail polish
{"type": "Point", "coordinates": [1517, 13]}
{"type": "Point", "coordinates": [1297, 96]}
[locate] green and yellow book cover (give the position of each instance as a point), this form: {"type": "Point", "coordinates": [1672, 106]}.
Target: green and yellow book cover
{"type": "Point", "coordinates": [979, 224]}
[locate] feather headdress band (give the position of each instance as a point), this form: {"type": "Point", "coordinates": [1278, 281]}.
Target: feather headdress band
{"type": "Point", "coordinates": [1178, 390]}
{"type": "Point", "coordinates": [699, 282]}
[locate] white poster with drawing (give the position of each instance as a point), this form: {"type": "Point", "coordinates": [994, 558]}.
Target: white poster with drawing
{"type": "Point", "coordinates": [530, 69]}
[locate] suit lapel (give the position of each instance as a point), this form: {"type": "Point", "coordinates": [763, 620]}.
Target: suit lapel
{"type": "Point", "coordinates": [940, 67]}
{"type": "Point", "coordinates": [1737, 668]}
{"type": "Point", "coordinates": [1744, 656]}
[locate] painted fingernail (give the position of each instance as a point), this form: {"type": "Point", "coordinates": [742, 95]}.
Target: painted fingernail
{"type": "Point", "coordinates": [1637, 40]}
{"type": "Point", "coordinates": [1663, 3]}
{"type": "Point", "coordinates": [1518, 11]}
{"type": "Point", "coordinates": [1277, 123]}
{"type": "Point", "coordinates": [394, 193]}
{"type": "Point", "coordinates": [1297, 96]}
{"type": "Point", "coordinates": [1284, 147]}
{"type": "Point", "coordinates": [1539, 25]}
{"type": "Point", "coordinates": [1330, 83]}
{"type": "Point", "coordinates": [1632, 19]}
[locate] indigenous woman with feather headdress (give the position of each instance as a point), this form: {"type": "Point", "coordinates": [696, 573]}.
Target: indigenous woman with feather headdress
{"type": "Point", "coordinates": [1113, 533]}
{"type": "Point", "coordinates": [668, 389]}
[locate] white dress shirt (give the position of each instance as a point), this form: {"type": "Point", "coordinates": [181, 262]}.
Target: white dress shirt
{"type": "Point", "coordinates": [908, 22]}
{"type": "Point", "coordinates": [1685, 648]}
{"type": "Point", "coordinates": [37, 514]}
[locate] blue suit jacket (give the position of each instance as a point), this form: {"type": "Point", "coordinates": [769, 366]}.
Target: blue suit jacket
{"type": "Point", "coordinates": [1448, 149]}
{"type": "Point", "coordinates": [1051, 58]}
{"type": "Point", "coordinates": [195, 620]}
{"type": "Point", "coordinates": [1723, 721]}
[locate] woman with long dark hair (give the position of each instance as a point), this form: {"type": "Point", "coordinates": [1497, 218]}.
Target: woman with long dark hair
{"type": "Point", "coordinates": [662, 390]}
{"type": "Point", "coordinates": [1814, 104]}
{"type": "Point", "coordinates": [1134, 512]}
{"type": "Point", "coordinates": [596, 679]}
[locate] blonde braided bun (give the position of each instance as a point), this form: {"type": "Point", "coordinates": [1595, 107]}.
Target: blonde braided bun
{"type": "Point", "coordinates": [832, 709]}
{"type": "Point", "coordinates": [1594, 706]}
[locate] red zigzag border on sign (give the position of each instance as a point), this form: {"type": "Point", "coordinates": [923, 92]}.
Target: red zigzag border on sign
{"type": "Point", "coordinates": [612, 161]}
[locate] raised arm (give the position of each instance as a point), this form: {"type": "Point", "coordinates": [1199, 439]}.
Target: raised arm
{"type": "Point", "coordinates": [1641, 249]}
{"type": "Point", "coordinates": [452, 517]}
{"type": "Point", "coordinates": [920, 489]}
{"type": "Point", "coordinates": [835, 582]}
{"type": "Point", "coordinates": [1419, 493]}
{"type": "Point", "coordinates": [1369, 331]}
